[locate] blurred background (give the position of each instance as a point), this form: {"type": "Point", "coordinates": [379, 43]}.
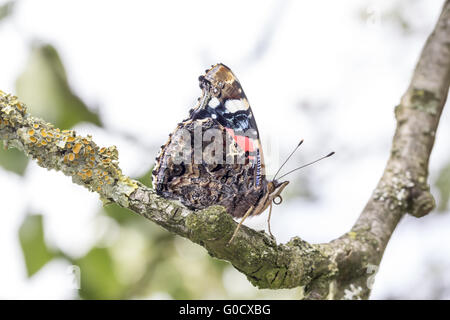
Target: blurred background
{"type": "Point", "coordinates": [126, 72]}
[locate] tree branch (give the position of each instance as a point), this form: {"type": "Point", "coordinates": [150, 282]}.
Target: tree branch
{"type": "Point", "coordinates": [403, 186]}
{"type": "Point", "coordinates": [266, 264]}
{"type": "Point", "coordinates": [338, 269]}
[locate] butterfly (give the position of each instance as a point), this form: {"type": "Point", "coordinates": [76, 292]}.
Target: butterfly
{"type": "Point", "coordinates": [214, 157]}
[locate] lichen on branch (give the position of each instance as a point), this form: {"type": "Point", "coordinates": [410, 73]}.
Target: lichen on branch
{"type": "Point", "coordinates": [79, 157]}
{"type": "Point", "coordinates": [266, 264]}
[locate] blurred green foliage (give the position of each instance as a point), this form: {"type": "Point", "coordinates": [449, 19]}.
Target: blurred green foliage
{"type": "Point", "coordinates": [98, 275]}
{"type": "Point", "coordinates": [146, 179]}
{"type": "Point", "coordinates": [13, 160]}
{"type": "Point", "coordinates": [6, 9]}
{"type": "Point", "coordinates": [34, 248]}
{"type": "Point", "coordinates": [43, 86]}
{"type": "Point", "coordinates": [443, 185]}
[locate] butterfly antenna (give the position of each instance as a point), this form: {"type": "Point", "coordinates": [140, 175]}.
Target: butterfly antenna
{"type": "Point", "coordinates": [299, 144]}
{"type": "Point", "coordinates": [308, 164]}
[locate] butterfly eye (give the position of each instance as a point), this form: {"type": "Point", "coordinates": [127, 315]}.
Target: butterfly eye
{"type": "Point", "coordinates": [277, 200]}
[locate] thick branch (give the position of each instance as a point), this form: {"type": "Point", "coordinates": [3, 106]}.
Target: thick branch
{"type": "Point", "coordinates": [338, 269]}
{"type": "Point", "coordinates": [403, 186]}
{"type": "Point", "coordinates": [266, 264]}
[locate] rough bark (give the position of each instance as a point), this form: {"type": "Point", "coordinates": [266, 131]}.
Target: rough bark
{"type": "Point", "coordinates": [341, 269]}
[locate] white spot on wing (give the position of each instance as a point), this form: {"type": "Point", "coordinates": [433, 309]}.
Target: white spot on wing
{"type": "Point", "coordinates": [234, 105]}
{"type": "Point", "coordinates": [214, 102]}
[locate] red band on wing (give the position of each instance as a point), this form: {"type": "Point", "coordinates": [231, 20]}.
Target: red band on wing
{"type": "Point", "coordinates": [245, 143]}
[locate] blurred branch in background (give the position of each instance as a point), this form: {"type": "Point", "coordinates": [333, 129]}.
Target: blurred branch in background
{"type": "Point", "coordinates": [335, 270]}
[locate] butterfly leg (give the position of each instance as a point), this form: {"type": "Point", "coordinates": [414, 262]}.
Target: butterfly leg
{"type": "Point", "coordinates": [240, 223]}
{"type": "Point", "coordinates": [268, 220]}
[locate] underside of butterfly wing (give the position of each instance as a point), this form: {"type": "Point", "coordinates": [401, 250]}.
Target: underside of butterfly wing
{"type": "Point", "coordinates": [230, 183]}
{"type": "Point", "coordinates": [215, 155]}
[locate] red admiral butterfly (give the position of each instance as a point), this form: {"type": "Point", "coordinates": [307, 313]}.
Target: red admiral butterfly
{"type": "Point", "coordinates": [214, 157]}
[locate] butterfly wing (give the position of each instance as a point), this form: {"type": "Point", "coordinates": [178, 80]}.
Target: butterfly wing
{"type": "Point", "coordinates": [224, 100]}
{"type": "Point", "coordinates": [238, 182]}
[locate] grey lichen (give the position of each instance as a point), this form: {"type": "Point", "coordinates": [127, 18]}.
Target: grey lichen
{"type": "Point", "coordinates": [426, 101]}
{"type": "Point", "coordinates": [212, 223]}
{"type": "Point", "coordinates": [353, 292]}
{"type": "Point", "coordinates": [403, 192]}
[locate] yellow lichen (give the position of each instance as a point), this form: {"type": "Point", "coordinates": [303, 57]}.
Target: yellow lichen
{"type": "Point", "coordinates": [77, 148]}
